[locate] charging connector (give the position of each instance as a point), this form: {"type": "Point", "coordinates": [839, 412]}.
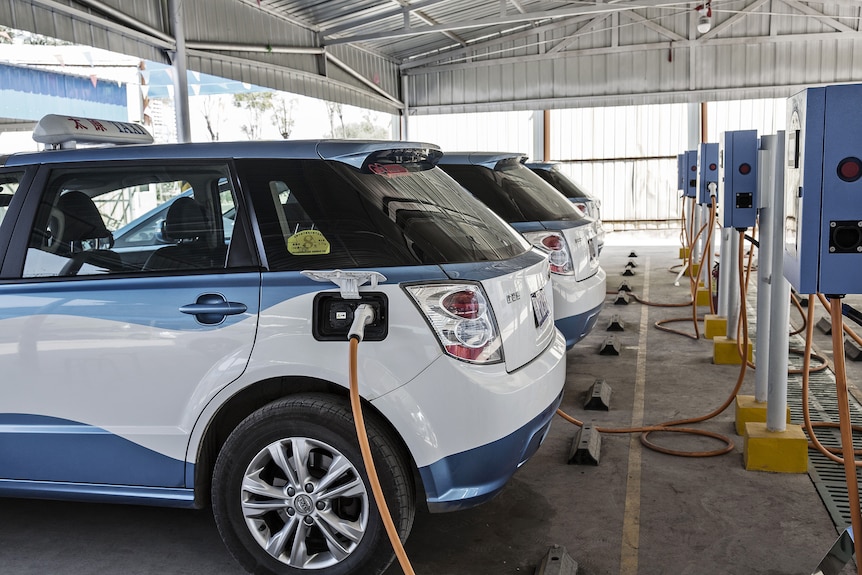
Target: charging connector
{"type": "Point", "coordinates": [363, 316]}
{"type": "Point", "coordinates": [334, 317]}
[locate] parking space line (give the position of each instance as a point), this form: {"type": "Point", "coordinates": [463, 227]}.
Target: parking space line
{"type": "Point", "coordinates": [631, 517]}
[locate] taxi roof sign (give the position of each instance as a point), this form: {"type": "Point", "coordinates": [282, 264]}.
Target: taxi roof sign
{"type": "Point", "coordinates": [64, 131]}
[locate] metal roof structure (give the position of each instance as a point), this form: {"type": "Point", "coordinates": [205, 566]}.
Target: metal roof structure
{"type": "Point", "coordinates": [443, 56]}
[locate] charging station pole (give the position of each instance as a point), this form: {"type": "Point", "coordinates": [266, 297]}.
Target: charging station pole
{"type": "Point", "coordinates": [731, 274]}
{"type": "Point", "coordinates": [766, 273]}
{"type": "Point", "coordinates": [778, 288]}
{"type": "Point", "coordinates": [723, 277]}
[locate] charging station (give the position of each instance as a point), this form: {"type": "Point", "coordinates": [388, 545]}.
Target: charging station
{"type": "Point", "coordinates": [737, 198]}
{"type": "Point", "coordinates": [686, 170]}
{"type": "Point", "coordinates": [823, 211]}
{"type": "Point", "coordinates": [738, 179]}
{"type": "Point", "coordinates": [706, 184]}
{"type": "Point", "coordinates": [823, 229]}
{"type": "Point", "coordinates": [690, 180]}
{"type": "Point", "coordinates": [707, 172]}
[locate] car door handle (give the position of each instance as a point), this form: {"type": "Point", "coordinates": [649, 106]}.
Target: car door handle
{"type": "Point", "coordinates": [212, 308]}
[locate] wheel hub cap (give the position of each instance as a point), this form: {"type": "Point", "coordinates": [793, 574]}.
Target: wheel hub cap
{"type": "Point", "coordinates": [304, 504]}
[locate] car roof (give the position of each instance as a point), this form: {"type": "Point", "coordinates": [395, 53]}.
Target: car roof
{"type": "Point", "coordinates": [352, 152]}
{"type": "Point", "coordinates": [542, 165]}
{"type": "Point", "coordinates": [487, 159]}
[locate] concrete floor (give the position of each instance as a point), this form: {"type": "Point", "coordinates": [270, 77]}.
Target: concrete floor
{"type": "Point", "coordinates": [640, 511]}
{"type": "Point", "coordinates": [637, 512]}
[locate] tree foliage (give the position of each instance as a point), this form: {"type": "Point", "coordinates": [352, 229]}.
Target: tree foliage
{"type": "Point", "coordinates": [256, 105]}
{"type": "Point", "coordinates": [13, 36]}
{"type": "Point", "coordinates": [212, 108]}
{"type": "Point", "coordinates": [366, 129]}
{"type": "Point", "coordinates": [282, 111]}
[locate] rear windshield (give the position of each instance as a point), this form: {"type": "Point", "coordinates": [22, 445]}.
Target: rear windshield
{"type": "Point", "coordinates": [317, 214]}
{"type": "Point", "coordinates": [562, 183]}
{"type": "Point", "coordinates": [514, 192]}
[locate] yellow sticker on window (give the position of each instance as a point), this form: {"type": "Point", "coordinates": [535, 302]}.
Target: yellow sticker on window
{"type": "Point", "coordinates": [308, 243]}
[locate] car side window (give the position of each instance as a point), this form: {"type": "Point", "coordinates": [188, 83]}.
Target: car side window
{"type": "Point", "coordinates": [132, 219]}
{"type": "Point", "coordinates": [8, 186]}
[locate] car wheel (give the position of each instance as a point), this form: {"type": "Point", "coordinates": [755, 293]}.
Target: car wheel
{"type": "Point", "coordinates": [290, 492]}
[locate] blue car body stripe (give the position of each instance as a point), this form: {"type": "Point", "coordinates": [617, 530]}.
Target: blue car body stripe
{"type": "Point", "coordinates": [549, 225]}
{"type": "Point", "coordinates": [480, 271]}
{"type": "Point", "coordinates": [98, 493]}
{"type": "Point", "coordinates": [474, 476]}
{"type": "Point", "coordinates": [575, 327]}
{"type": "Point", "coordinates": [281, 286]}
{"type": "Point", "coordinates": [78, 453]}
{"type": "Point", "coordinates": [141, 301]}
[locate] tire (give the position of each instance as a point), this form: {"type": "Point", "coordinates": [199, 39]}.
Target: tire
{"type": "Point", "coordinates": [278, 516]}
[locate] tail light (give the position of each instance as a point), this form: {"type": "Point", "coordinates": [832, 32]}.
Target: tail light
{"type": "Point", "coordinates": [580, 207]}
{"type": "Point", "coordinates": [461, 318]}
{"type": "Point", "coordinates": [555, 244]}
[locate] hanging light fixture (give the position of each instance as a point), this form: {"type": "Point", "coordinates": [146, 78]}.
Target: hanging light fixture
{"type": "Point", "coordinates": [704, 19]}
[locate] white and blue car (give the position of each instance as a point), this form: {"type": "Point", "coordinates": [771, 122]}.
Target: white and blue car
{"type": "Point", "coordinates": [204, 365]}
{"type": "Point", "coordinates": [550, 222]}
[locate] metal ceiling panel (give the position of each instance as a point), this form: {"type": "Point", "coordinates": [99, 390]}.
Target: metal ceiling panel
{"type": "Point", "coordinates": [459, 55]}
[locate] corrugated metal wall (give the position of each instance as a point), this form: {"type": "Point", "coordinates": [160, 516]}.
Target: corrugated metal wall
{"type": "Point", "coordinates": [625, 156]}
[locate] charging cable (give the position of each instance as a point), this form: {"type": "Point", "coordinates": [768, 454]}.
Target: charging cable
{"type": "Point", "coordinates": [362, 317]}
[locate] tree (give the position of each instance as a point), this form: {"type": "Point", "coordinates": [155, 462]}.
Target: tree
{"type": "Point", "coordinates": [257, 104]}
{"type": "Point", "coordinates": [335, 109]}
{"type": "Point", "coordinates": [283, 112]}
{"type": "Point", "coordinates": [366, 129]}
{"type": "Point", "coordinates": [212, 108]}
{"type": "Point", "coordinates": [13, 36]}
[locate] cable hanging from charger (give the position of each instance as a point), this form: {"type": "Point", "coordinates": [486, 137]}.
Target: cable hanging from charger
{"type": "Point", "coordinates": [363, 316]}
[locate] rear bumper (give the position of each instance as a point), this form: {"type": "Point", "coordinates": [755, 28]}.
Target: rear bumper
{"type": "Point", "coordinates": [577, 304]}
{"type": "Point", "coordinates": [576, 327]}
{"type": "Point", "coordinates": [469, 427]}
{"type": "Point", "coordinates": [472, 477]}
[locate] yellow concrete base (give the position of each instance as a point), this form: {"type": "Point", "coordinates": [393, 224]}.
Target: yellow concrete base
{"type": "Point", "coordinates": [703, 296]}
{"type": "Point", "coordinates": [750, 411]}
{"type": "Point", "coordinates": [725, 352]}
{"type": "Point", "coordinates": [714, 325]}
{"type": "Point", "coordinates": [693, 268]}
{"type": "Point", "coordinates": [684, 253]}
{"type": "Point", "coordinates": [778, 451]}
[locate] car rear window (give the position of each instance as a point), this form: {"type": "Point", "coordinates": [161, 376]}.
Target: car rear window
{"type": "Point", "coordinates": [562, 183]}
{"type": "Point", "coordinates": [514, 192]}
{"type": "Point", "coordinates": [316, 214]}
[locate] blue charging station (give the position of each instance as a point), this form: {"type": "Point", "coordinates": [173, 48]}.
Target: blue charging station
{"type": "Point", "coordinates": [680, 172]}
{"type": "Point", "coordinates": [690, 183]}
{"type": "Point", "coordinates": [823, 191]}
{"type": "Point", "coordinates": [737, 168]}
{"type": "Point", "coordinates": [707, 172]}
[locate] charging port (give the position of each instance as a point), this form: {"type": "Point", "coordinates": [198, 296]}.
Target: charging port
{"type": "Point", "coordinates": [333, 316]}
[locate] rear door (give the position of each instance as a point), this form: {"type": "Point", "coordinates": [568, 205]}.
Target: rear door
{"type": "Point", "coordinates": [108, 357]}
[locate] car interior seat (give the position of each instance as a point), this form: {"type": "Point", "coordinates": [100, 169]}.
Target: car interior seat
{"type": "Point", "coordinates": [79, 233]}
{"type": "Point", "coordinates": [186, 223]}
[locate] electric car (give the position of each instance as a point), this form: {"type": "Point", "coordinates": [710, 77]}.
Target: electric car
{"type": "Point", "coordinates": [215, 369]}
{"type": "Point", "coordinates": [587, 204]}
{"type": "Point", "coordinates": [550, 222]}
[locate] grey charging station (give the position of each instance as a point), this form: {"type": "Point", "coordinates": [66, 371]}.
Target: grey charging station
{"type": "Point", "coordinates": [738, 179]}
{"type": "Point", "coordinates": [823, 191]}
{"type": "Point", "coordinates": [707, 171]}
